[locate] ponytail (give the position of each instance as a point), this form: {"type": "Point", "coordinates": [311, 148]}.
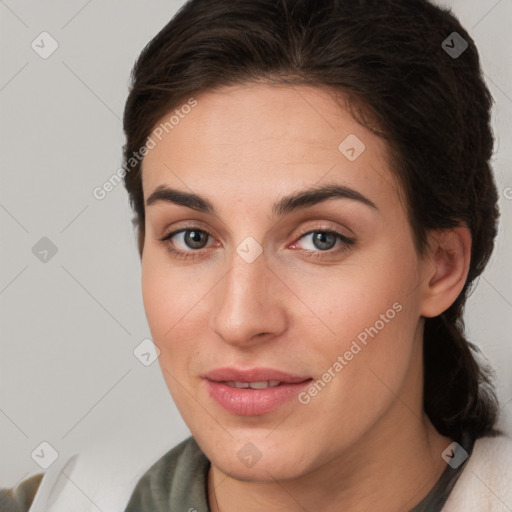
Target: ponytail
{"type": "Point", "coordinates": [459, 394]}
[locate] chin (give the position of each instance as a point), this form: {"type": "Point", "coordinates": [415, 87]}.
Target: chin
{"type": "Point", "coordinates": [254, 458]}
{"type": "Point", "coordinates": [269, 470]}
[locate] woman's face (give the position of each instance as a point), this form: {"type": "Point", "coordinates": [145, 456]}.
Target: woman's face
{"type": "Point", "coordinates": [257, 286]}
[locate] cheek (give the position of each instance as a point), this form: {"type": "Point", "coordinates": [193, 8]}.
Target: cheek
{"type": "Point", "coordinates": [168, 303]}
{"type": "Point", "coordinates": [367, 313]}
{"type": "Point", "coordinates": [176, 306]}
{"type": "Point", "coordinates": [158, 302]}
{"type": "Point", "coordinates": [350, 299]}
{"type": "Point", "coordinates": [176, 314]}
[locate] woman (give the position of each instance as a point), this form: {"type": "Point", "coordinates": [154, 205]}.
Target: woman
{"type": "Point", "coordinates": [314, 199]}
{"type": "Point", "coordinates": [313, 204]}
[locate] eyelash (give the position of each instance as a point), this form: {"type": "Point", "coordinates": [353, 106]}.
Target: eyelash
{"type": "Point", "coordinates": [193, 254]}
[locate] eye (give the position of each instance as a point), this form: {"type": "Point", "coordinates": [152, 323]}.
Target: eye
{"type": "Point", "coordinates": [324, 241]}
{"type": "Point", "coordinates": [190, 238]}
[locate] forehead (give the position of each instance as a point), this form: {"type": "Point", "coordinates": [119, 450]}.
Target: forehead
{"type": "Point", "coordinates": [256, 141]}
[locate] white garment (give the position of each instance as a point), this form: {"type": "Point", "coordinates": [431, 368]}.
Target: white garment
{"type": "Point", "coordinates": [100, 478]}
{"type": "Point", "coordinates": [485, 484]}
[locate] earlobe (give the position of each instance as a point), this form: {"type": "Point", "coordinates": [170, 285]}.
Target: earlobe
{"type": "Point", "coordinates": [450, 254]}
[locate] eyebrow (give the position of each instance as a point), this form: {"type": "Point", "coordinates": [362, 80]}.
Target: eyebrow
{"type": "Point", "coordinates": [287, 204]}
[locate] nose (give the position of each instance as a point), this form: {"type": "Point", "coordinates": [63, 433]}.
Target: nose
{"type": "Point", "coordinates": [249, 303]}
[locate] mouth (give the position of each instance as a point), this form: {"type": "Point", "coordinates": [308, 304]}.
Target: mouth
{"type": "Point", "coordinates": [253, 392]}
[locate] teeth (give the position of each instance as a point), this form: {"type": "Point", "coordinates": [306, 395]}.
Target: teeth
{"type": "Point", "coordinates": [253, 385]}
{"type": "Point", "coordinates": [264, 384]}
{"type": "Point", "coordinates": [234, 384]}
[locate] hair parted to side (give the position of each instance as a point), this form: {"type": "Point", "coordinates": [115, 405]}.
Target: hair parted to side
{"type": "Point", "coordinates": [385, 58]}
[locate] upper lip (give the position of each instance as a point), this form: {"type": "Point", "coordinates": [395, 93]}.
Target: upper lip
{"type": "Point", "coordinates": [252, 375]}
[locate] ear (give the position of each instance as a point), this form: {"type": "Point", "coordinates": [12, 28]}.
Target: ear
{"type": "Point", "coordinates": [449, 254]}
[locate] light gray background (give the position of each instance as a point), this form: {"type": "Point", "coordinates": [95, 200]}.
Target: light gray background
{"type": "Point", "coordinates": [69, 326]}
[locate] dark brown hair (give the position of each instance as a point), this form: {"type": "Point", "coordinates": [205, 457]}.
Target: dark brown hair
{"type": "Point", "coordinates": [387, 58]}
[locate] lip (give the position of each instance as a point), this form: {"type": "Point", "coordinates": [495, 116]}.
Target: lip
{"type": "Point", "coordinates": [251, 402]}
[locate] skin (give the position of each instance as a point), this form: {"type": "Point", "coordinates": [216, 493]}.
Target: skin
{"type": "Point", "coordinates": [364, 442]}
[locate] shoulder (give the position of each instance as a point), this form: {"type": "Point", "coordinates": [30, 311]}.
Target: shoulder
{"type": "Point", "coordinates": [19, 498]}
{"type": "Point", "coordinates": [485, 483]}
{"type": "Point", "coordinates": [177, 479]}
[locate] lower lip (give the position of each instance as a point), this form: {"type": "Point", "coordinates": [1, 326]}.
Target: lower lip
{"type": "Point", "coordinates": [250, 402]}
